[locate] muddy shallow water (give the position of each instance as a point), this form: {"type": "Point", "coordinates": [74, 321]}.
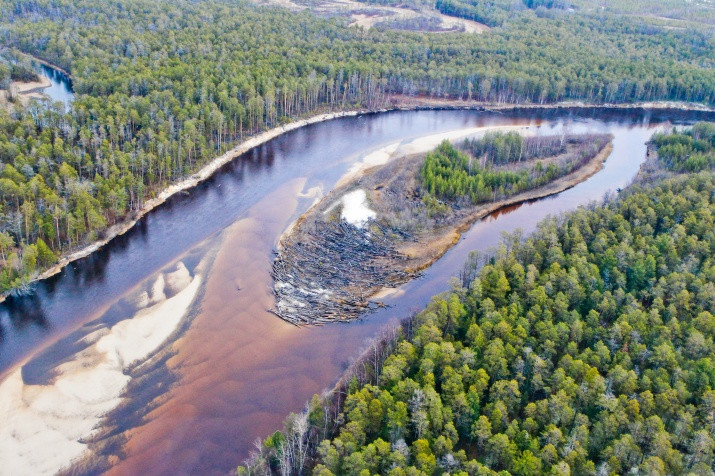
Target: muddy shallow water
{"type": "Point", "coordinates": [230, 371]}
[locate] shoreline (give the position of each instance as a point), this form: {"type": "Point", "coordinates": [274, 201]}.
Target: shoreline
{"type": "Point", "coordinates": [34, 90]}
{"type": "Point", "coordinates": [48, 64]}
{"type": "Point", "coordinates": [25, 91]}
{"type": "Point", "coordinates": [418, 252]}
{"type": "Point", "coordinates": [190, 182]}
{"type": "Point", "coordinates": [53, 66]}
{"type": "Point", "coordinates": [213, 165]}
{"type": "Point", "coordinates": [33, 86]}
{"type": "Point", "coordinates": [416, 103]}
{"type": "Point", "coordinates": [553, 188]}
{"type": "Point", "coordinates": [389, 153]}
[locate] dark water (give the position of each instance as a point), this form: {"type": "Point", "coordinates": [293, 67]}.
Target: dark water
{"type": "Point", "coordinates": [233, 371]}
{"type": "Point", "coordinates": [61, 88]}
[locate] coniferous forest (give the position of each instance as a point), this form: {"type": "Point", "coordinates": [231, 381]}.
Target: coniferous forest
{"type": "Point", "coordinates": [585, 348]}
{"type": "Point", "coordinates": [450, 174]}
{"type": "Point", "coordinates": [163, 87]}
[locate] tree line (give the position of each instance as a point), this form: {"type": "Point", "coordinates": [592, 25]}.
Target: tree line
{"type": "Point", "coordinates": [163, 87]}
{"type": "Point", "coordinates": [498, 148]}
{"type": "Point", "coordinates": [585, 348]}
{"type": "Point", "coordinates": [452, 175]}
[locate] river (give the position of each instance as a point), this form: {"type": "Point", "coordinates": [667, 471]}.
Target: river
{"type": "Point", "coordinates": [60, 88]}
{"type": "Point", "coordinates": [185, 293]}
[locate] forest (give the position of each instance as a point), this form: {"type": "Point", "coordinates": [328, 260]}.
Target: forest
{"type": "Point", "coordinates": [162, 88]}
{"type": "Point", "coordinates": [15, 67]}
{"type": "Point", "coordinates": [688, 151]}
{"type": "Point", "coordinates": [497, 148]}
{"type": "Point", "coordinates": [475, 173]}
{"type": "Point", "coordinates": [584, 348]}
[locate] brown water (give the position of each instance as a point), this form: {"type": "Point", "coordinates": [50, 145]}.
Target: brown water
{"type": "Point", "coordinates": [232, 371]}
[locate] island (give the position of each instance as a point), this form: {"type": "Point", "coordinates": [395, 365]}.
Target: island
{"type": "Point", "coordinates": [380, 229]}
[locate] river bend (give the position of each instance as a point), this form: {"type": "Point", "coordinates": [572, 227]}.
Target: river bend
{"type": "Point", "coordinates": [157, 354]}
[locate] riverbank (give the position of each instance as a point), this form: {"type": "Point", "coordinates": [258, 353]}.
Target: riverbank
{"type": "Point", "coordinates": [47, 63]}
{"type": "Point", "coordinates": [204, 173]}
{"type": "Point", "coordinates": [381, 229]}
{"type": "Point", "coordinates": [26, 91]}
{"type": "Point", "coordinates": [404, 102]}
{"type": "Point", "coordinates": [121, 227]}
{"type": "Point", "coordinates": [238, 287]}
{"type": "Point", "coordinates": [32, 89]}
{"type": "Point", "coordinates": [440, 246]}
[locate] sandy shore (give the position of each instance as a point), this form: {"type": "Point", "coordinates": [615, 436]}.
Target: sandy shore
{"type": "Point", "coordinates": [25, 88]}
{"type": "Point", "coordinates": [314, 283]}
{"type": "Point", "coordinates": [47, 426]}
{"type": "Point", "coordinates": [32, 89]}
{"type": "Point", "coordinates": [399, 149]}
{"type": "Point", "coordinates": [393, 151]}
{"type": "Point", "coordinates": [414, 104]}
{"type": "Point", "coordinates": [26, 91]}
{"type": "Point", "coordinates": [190, 182]}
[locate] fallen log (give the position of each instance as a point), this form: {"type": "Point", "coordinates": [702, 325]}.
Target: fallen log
{"type": "Point", "coordinates": [325, 276]}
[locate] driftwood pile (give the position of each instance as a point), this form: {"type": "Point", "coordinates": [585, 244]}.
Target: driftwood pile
{"type": "Point", "coordinates": [327, 273]}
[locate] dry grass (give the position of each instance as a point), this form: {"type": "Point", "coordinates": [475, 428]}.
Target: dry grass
{"type": "Point", "coordinates": [366, 15]}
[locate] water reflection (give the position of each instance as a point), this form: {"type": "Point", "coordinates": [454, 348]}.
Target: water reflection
{"type": "Point", "coordinates": [60, 88]}
{"type": "Point", "coordinates": [237, 370]}
{"type": "Point", "coordinates": [26, 310]}
{"type": "Point", "coordinates": [242, 370]}
{"type": "Point", "coordinates": [321, 152]}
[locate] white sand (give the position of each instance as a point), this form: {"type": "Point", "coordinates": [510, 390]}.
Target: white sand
{"type": "Point", "coordinates": [355, 208]}
{"type": "Point", "coordinates": [388, 292]}
{"type": "Point", "coordinates": [206, 172]}
{"type": "Point", "coordinates": [178, 279]}
{"type": "Point", "coordinates": [371, 159]}
{"type": "Point", "coordinates": [427, 143]}
{"type": "Point", "coordinates": [420, 145]}
{"type": "Point", "coordinates": [42, 425]}
{"type": "Point", "coordinates": [312, 192]}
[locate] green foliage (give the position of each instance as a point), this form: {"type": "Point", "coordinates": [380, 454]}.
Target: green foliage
{"type": "Point", "coordinates": [15, 67]}
{"type": "Point", "coordinates": [45, 256]}
{"type": "Point", "coordinates": [585, 349]}
{"type": "Point", "coordinates": [688, 151]}
{"type": "Point", "coordinates": [498, 148]}
{"type": "Point", "coordinates": [450, 174]}
{"type": "Point", "coordinates": [491, 13]}
{"type": "Point", "coordinates": [163, 87]}
{"type": "Point", "coordinates": [435, 207]}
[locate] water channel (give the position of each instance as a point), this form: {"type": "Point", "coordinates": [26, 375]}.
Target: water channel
{"type": "Point", "coordinates": [157, 354]}
{"type": "Point", "coordinates": [60, 88]}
